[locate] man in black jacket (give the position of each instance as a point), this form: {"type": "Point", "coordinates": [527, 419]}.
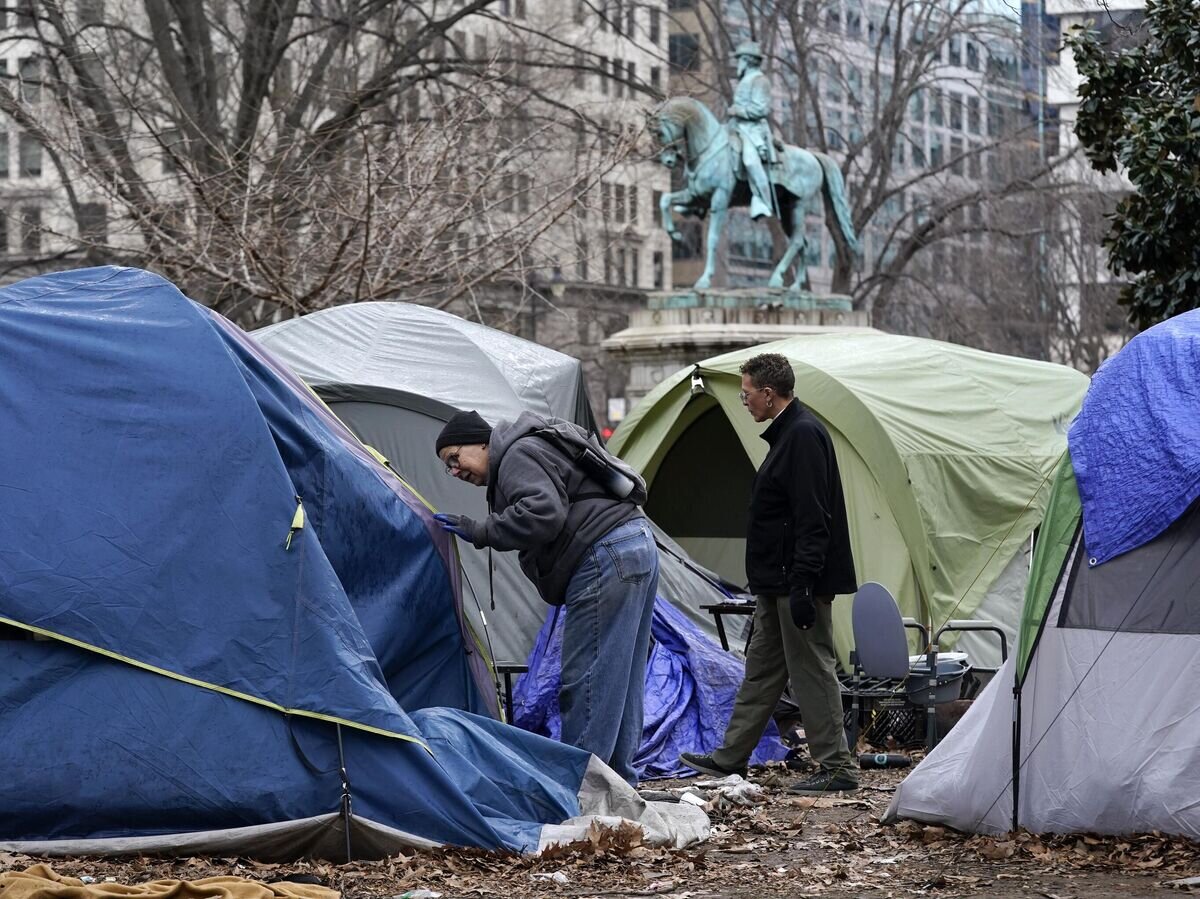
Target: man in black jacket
{"type": "Point", "coordinates": [584, 548]}
{"type": "Point", "coordinates": [797, 558]}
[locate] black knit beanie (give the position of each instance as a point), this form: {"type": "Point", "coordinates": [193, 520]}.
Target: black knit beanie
{"type": "Point", "coordinates": [465, 429]}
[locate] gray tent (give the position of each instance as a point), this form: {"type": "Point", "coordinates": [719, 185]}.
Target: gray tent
{"type": "Point", "coordinates": [395, 372]}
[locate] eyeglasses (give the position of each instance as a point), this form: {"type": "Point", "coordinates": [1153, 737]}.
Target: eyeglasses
{"type": "Point", "coordinates": [744, 394]}
{"type": "Point", "coordinates": [452, 463]}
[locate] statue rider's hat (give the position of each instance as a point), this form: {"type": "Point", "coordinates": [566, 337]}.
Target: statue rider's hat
{"type": "Point", "coordinates": [749, 48]}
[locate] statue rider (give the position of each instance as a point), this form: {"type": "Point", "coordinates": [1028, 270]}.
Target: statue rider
{"type": "Point", "coordinates": [751, 106]}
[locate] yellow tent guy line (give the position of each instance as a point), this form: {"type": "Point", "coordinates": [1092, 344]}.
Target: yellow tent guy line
{"type": "Point", "coordinates": [332, 719]}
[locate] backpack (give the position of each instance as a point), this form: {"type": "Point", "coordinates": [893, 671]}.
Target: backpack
{"type": "Point", "coordinates": [618, 480]}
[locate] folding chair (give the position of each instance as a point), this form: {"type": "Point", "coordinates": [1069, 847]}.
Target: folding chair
{"type": "Point", "coordinates": [884, 669]}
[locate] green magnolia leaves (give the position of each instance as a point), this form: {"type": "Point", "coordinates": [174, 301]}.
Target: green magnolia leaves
{"type": "Point", "coordinates": [1139, 115]}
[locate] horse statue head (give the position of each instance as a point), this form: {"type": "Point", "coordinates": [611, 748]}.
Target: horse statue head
{"type": "Point", "coordinates": [685, 127]}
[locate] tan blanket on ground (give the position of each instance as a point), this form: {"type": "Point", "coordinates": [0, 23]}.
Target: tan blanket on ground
{"type": "Point", "coordinates": [41, 882]}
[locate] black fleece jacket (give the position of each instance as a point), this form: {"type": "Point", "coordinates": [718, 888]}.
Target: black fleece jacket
{"type": "Point", "coordinates": [798, 534]}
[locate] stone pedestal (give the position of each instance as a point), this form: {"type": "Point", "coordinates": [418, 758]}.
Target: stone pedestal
{"type": "Point", "coordinates": [680, 328]}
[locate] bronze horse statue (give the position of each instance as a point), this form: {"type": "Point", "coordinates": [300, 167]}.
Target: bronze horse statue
{"type": "Point", "coordinates": [691, 133]}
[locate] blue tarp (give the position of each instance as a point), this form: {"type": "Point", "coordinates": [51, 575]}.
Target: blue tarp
{"type": "Point", "coordinates": [690, 687]}
{"type": "Point", "coordinates": [1135, 445]}
{"type": "Point", "coordinates": [198, 662]}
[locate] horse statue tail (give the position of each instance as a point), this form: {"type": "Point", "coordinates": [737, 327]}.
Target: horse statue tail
{"type": "Point", "coordinates": [835, 199]}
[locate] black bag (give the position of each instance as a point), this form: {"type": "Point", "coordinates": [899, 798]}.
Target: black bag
{"type": "Point", "coordinates": [616, 478]}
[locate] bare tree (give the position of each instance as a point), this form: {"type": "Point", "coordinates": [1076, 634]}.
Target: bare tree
{"type": "Point", "coordinates": [278, 156]}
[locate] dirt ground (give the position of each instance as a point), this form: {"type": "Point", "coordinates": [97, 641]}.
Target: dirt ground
{"type": "Point", "coordinates": [787, 846]}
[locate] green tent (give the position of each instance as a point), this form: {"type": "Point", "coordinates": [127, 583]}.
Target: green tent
{"type": "Point", "coordinates": [946, 453]}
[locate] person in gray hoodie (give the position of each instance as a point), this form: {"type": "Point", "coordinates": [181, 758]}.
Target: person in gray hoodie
{"type": "Point", "coordinates": [585, 545]}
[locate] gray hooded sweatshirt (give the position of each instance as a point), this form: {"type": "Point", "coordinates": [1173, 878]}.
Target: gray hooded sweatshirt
{"type": "Point", "coordinates": [543, 505]}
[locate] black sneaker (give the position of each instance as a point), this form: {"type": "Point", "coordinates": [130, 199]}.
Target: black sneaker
{"type": "Point", "coordinates": [824, 783]}
{"type": "Point", "coordinates": [705, 765]}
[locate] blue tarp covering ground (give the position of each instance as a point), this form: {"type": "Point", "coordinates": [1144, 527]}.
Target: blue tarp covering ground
{"type": "Point", "coordinates": [1135, 445]}
{"type": "Point", "coordinates": [690, 687]}
{"type": "Point", "coordinates": [208, 665]}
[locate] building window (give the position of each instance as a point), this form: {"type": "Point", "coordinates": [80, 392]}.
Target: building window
{"type": "Point", "coordinates": [680, 4]}
{"type": "Point", "coordinates": [90, 12]}
{"type": "Point", "coordinates": [581, 7]}
{"type": "Point", "coordinates": [581, 266]}
{"type": "Point", "coordinates": [956, 111]}
{"type": "Point", "coordinates": [936, 109]}
{"type": "Point", "coordinates": [577, 76]}
{"type": "Point", "coordinates": [618, 72]}
{"type": "Point", "coordinates": [918, 148]}
{"type": "Point", "coordinates": [603, 65]}
{"type": "Point", "coordinates": [955, 48]}
{"type": "Point", "coordinates": [633, 205]}
{"type": "Point", "coordinates": [605, 201]}
{"type": "Point", "coordinates": [93, 222]}
{"type": "Point", "coordinates": [916, 106]}
{"type": "Point", "coordinates": [655, 27]}
{"type": "Point", "coordinates": [659, 273]}
{"type": "Point", "coordinates": [608, 265]}
{"type": "Point", "coordinates": [631, 19]}
{"type": "Point", "coordinates": [3, 154]}
{"type": "Point", "coordinates": [31, 230]}
{"type": "Point", "coordinates": [973, 116]}
{"type": "Point", "coordinates": [656, 78]}
{"type": "Point", "coordinates": [956, 155]}
{"type": "Point", "coordinates": [30, 153]}
{"type": "Point", "coordinates": [972, 56]}
{"type": "Point", "coordinates": [656, 200]}
{"type": "Point", "coordinates": [630, 77]}
{"type": "Point", "coordinates": [619, 203]}
{"type": "Point", "coordinates": [24, 13]}
{"type": "Point", "coordinates": [635, 263]}
{"type": "Point", "coordinates": [853, 20]}
{"type": "Point", "coordinates": [621, 262]}
{"type": "Point", "coordinates": [833, 18]}
{"type": "Point", "coordinates": [30, 79]}
{"type": "Point", "coordinates": [937, 155]}
{"type": "Point", "coordinates": [974, 163]}
{"type": "Point", "coordinates": [519, 9]}
{"type": "Point", "coordinates": [684, 52]}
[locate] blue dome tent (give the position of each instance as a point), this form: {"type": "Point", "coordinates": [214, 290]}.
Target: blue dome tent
{"type": "Point", "coordinates": [224, 626]}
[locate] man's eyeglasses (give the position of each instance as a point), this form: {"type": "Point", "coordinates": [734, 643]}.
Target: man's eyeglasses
{"type": "Point", "coordinates": [744, 394]}
{"type": "Point", "coordinates": [452, 466]}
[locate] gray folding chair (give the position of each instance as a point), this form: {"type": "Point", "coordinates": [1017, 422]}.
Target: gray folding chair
{"type": "Point", "coordinates": [884, 668]}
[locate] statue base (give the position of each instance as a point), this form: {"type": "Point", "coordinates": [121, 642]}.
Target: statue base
{"type": "Point", "coordinates": [682, 327]}
{"type": "Point", "coordinates": [749, 298]}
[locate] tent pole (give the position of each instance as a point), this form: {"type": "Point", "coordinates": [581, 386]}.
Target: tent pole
{"type": "Point", "coordinates": [1016, 755]}
{"type": "Point", "coordinates": [345, 793]}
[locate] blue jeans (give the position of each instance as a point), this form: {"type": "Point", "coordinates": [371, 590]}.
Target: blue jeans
{"type": "Point", "coordinates": [606, 641]}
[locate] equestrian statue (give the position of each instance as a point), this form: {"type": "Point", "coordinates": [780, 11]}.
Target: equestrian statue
{"type": "Point", "coordinates": [740, 164]}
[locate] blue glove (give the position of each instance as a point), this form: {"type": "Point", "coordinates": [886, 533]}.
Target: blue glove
{"type": "Point", "coordinates": [458, 525]}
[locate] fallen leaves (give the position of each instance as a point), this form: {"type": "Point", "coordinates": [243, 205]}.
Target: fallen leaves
{"type": "Point", "coordinates": [817, 847]}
